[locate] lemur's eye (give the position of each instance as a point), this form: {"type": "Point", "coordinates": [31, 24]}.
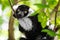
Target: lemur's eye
{"type": "Point", "coordinates": [18, 10]}
{"type": "Point", "coordinates": [25, 11]}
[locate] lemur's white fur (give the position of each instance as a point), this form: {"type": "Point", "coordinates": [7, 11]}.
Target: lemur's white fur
{"type": "Point", "coordinates": [15, 7]}
{"type": "Point", "coordinates": [26, 23]}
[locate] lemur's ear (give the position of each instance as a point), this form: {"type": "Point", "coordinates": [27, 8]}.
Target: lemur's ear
{"type": "Point", "coordinates": [15, 7]}
{"type": "Point", "coordinates": [31, 11]}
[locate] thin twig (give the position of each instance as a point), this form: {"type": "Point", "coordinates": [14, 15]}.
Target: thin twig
{"type": "Point", "coordinates": [11, 5]}
{"type": "Point", "coordinates": [55, 7]}
{"type": "Point", "coordinates": [56, 10]}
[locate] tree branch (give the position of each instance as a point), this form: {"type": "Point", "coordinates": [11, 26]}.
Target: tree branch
{"type": "Point", "coordinates": [55, 7]}
{"type": "Point", "coordinates": [11, 22]}
{"type": "Point", "coordinates": [56, 11]}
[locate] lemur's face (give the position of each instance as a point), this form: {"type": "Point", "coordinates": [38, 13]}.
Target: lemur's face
{"type": "Point", "coordinates": [21, 11]}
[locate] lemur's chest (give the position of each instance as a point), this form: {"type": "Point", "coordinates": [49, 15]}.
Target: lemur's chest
{"type": "Point", "coordinates": [26, 23]}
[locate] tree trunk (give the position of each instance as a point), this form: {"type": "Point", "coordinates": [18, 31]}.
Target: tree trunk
{"type": "Point", "coordinates": [11, 26]}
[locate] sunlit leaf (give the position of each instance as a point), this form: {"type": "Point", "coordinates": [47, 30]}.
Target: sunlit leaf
{"type": "Point", "coordinates": [49, 32]}
{"type": "Point", "coordinates": [59, 34]}
{"type": "Point", "coordinates": [58, 20]}
{"type": "Point", "coordinates": [43, 19]}
{"type": "Point", "coordinates": [51, 2]}
{"type": "Point", "coordinates": [0, 1]}
{"type": "Point", "coordinates": [41, 5]}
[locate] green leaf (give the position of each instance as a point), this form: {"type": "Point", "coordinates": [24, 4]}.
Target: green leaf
{"type": "Point", "coordinates": [0, 1]}
{"type": "Point", "coordinates": [43, 19]}
{"type": "Point", "coordinates": [5, 4]}
{"type": "Point", "coordinates": [58, 34]}
{"type": "Point", "coordinates": [41, 5]}
{"type": "Point", "coordinates": [49, 32]}
{"type": "Point", "coordinates": [1, 20]}
{"type": "Point", "coordinates": [51, 2]}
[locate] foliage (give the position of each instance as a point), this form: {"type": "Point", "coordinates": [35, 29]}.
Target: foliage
{"type": "Point", "coordinates": [4, 3]}
{"type": "Point", "coordinates": [42, 5]}
{"type": "Point", "coordinates": [43, 19]}
{"type": "Point", "coordinates": [49, 32]}
{"type": "Point", "coordinates": [43, 10]}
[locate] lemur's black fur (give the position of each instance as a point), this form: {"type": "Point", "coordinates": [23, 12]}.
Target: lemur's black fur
{"type": "Point", "coordinates": [35, 33]}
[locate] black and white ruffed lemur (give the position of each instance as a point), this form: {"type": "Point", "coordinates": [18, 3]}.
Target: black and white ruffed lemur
{"type": "Point", "coordinates": [29, 25]}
